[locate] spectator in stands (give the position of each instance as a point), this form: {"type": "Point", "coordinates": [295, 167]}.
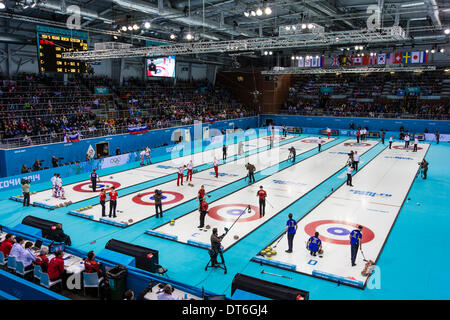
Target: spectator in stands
{"type": "Point", "coordinates": [24, 169]}
{"type": "Point", "coordinates": [91, 266]}
{"type": "Point", "coordinates": [56, 267]}
{"type": "Point", "coordinates": [42, 259]}
{"type": "Point", "coordinates": [17, 249]}
{"type": "Point", "coordinates": [117, 151]}
{"type": "Point", "coordinates": [128, 295]}
{"type": "Point", "coordinates": [54, 161]}
{"type": "Point", "coordinates": [29, 256]}
{"type": "Point", "coordinates": [166, 293]}
{"type": "Point", "coordinates": [37, 165]}
{"type": "Point", "coordinates": [7, 245]}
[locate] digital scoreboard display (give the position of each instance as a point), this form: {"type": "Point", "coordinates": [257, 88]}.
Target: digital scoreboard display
{"type": "Point", "coordinates": [53, 42]}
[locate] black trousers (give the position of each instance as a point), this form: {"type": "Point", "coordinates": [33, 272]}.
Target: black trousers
{"type": "Point", "coordinates": [224, 155]}
{"type": "Point", "coordinates": [26, 199]}
{"type": "Point", "coordinates": [349, 179]}
{"type": "Point", "coordinates": [390, 144]}
{"type": "Point", "coordinates": [202, 218]}
{"type": "Point", "coordinates": [102, 203]}
{"type": "Point", "coordinates": [355, 165]}
{"type": "Point", "coordinates": [425, 174]}
{"type": "Point", "coordinates": [382, 140]}
{"type": "Point", "coordinates": [290, 237]}
{"type": "Point", "coordinates": [262, 207]}
{"type": "Point", "coordinates": [437, 140]}
{"type": "Point", "coordinates": [94, 185]}
{"type": "Point", "coordinates": [251, 176]}
{"type": "Point", "coordinates": [158, 209]}
{"type": "Point", "coordinates": [293, 158]}
{"type": "Point", "coordinates": [406, 144]}
{"type": "Point", "coordinates": [357, 139]}
{"type": "Point", "coordinates": [320, 146]}
{"type": "Point", "coordinates": [415, 148]}
{"type": "Point", "coordinates": [354, 252]}
{"type": "Point", "coordinates": [112, 206]}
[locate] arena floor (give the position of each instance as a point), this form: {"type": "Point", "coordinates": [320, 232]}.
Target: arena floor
{"type": "Point", "coordinates": [405, 217]}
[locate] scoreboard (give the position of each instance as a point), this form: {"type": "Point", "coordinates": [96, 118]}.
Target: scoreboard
{"type": "Point", "coordinates": [53, 42]}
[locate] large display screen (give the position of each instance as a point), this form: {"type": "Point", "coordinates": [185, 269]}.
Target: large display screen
{"type": "Point", "coordinates": [161, 67]}
{"type": "Point", "coordinates": [53, 42]}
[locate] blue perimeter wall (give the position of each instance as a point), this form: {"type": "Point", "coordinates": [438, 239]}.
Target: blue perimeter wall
{"type": "Point", "coordinates": [375, 124]}
{"type": "Point", "coordinates": [11, 160]}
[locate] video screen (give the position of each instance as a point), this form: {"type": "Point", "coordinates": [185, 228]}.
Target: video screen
{"type": "Point", "coordinates": [161, 67]}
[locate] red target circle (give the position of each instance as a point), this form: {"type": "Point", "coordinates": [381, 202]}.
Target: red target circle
{"type": "Point", "coordinates": [357, 144]}
{"type": "Point", "coordinates": [79, 187]}
{"type": "Point", "coordinates": [213, 212]}
{"type": "Point", "coordinates": [410, 148]}
{"type": "Point", "coordinates": [138, 198]}
{"type": "Point", "coordinates": [311, 228]}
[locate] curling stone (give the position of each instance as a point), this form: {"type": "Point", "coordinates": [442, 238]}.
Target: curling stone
{"type": "Point", "coordinates": [130, 220]}
{"type": "Point", "coordinates": [208, 226]}
{"type": "Point", "coordinates": [172, 222]}
{"type": "Point", "coordinates": [236, 237]}
{"type": "Point", "coordinates": [273, 252]}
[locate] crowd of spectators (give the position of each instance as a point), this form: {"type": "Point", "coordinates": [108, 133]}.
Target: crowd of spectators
{"type": "Point", "coordinates": [39, 109]}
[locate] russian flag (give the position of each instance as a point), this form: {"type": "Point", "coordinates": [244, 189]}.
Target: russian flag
{"type": "Point", "coordinates": [74, 137]}
{"type": "Point", "coordinates": [138, 129]}
{"type": "Point", "coordinates": [423, 56]}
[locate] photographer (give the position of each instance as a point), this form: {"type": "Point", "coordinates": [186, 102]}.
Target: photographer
{"type": "Point", "coordinates": [158, 205]}
{"type": "Point", "coordinates": [24, 169]}
{"type": "Point", "coordinates": [424, 168]}
{"type": "Point", "coordinates": [251, 172]}
{"type": "Point", "coordinates": [292, 154]}
{"type": "Point", "coordinates": [25, 183]}
{"type": "Point", "coordinates": [37, 165]}
{"type": "Point", "coordinates": [54, 161]}
{"type": "Point", "coordinates": [215, 247]}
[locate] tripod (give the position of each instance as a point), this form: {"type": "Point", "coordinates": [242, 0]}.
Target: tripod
{"type": "Point", "coordinates": [217, 264]}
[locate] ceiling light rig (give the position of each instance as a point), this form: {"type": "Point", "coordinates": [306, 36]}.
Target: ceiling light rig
{"type": "Point", "coordinates": [258, 11]}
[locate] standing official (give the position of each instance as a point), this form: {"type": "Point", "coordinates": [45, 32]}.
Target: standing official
{"type": "Point", "coordinates": [251, 172]}
{"type": "Point", "coordinates": [25, 184]}
{"type": "Point", "coordinates": [142, 156]}
{"type": "Point", "coordinates": [355, 160]}
{"type": "Point", "coordinates": [358, 133]}
{"type": "Point", "coordinates": [355, 243]}
{"type": "Point", "coordinates": [349, 175]}
{"type": "Point", "coordinates": [94, 179]}
{"type": "Point", "coordinates": [291, 229]}
{"type": "Point", "coordinates": [424, 165]}
{"type": "Point", "coordinates": [216, 167]}
{"type": "Point", "coordinates": [158, 205]}
{"type": "Point", "coordinates": [319, 144]}
{"type": "Point", "coordinates": [103, 201]}
{"type": "Point", "coordinates": [261, 194]}
{"type": "Point", "coordinates": [271, 141]}
{"type": "Point", "coordinates": [383, 135]}
{"type": "Point", "coordinates": [224, 152]}
{"type": "Point", "coordinates": [314, 244]}
{"type": "Point", "coordinates": [203, 208]}
{"type": "Point", "coordinates": [113, 202]}
{"type": "Point", "coordinates": [390, 142]}
{"type": "Point", "coordinates": [416, 142]}
{"type": "Point", "coordinates": [437, 134]}
{"type": "Point", "coordinates": [284, 131]}
{"type": "Point", "coordinates": [407, 138]}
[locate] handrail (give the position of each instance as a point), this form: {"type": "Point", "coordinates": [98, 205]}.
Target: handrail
{"type": "Point", "coordinates": [384, 115]}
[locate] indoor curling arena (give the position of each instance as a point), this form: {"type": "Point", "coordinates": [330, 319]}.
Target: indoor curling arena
{"type": "Point", "coordinates": [224, 150]}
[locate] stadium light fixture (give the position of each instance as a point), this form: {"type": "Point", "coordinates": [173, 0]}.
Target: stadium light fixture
{"type": "Point", "coordinates": [135, 27]}
{"type": "Point", "coordinates": [303, 26]}
{"type": "Point", "coordinates": [189, 36]}
{"type": "Point", "coordinates": [172, 36]}
{"type": "Point", "coordinates": [270, 52]}
{"type": "Point", "coordinates": [246, 13]}
{"type": "Point", "coordinates": [2, 5]}
{"type": "Point", "coordinates": [253, 13]}
{"type": "Point", "coordinates": [268, 11]}
{"type": "Point", "coordinates": [447, 31]}
{"type": "Point", "coordinates": [147, 25]}
{"type": "Point", "coordinates": [310, 26]}
{"type": "Point", "coordinates": [259, 12]}
{"type": "Point", "coordinates": [414, 4]}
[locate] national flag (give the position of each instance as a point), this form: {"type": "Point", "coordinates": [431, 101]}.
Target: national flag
{"type": "Point", "coordinates": [423, 56]}
{"type": "Point", "coordinates": [335, 61]}
{"type": "Point", "coordinates": [381, 58]}
{"type": "Point", "coordinates": [137, 129]}
{"type": "Point", "coordinates": [314, 61]}
{"type": "Point", "coordinates": [406, 57]}
{"type": "Point", "coordinates": [301, 62]}
{"type": "Point", "coordinates": [357, 60]}
{"type": "Point", "coordinates": [373, 59]}
{"type": "Point", "coordinates": [321, 61]}
{"type": "Point", "coordinates": [389, 58]}
{"type": "Point", "coordinates": [74, 137]}
{"type": "Point", "coordinates": [365, 60]}
{"type": "Point", "coordinates": [307, 62]}
{"type": "Point", "coordinates": [397, 57]}
{"type": "Point", "coordinates": [415, 57]}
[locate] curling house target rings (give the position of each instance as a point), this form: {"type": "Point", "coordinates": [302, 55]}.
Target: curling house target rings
{"type": "Point", "coordinates": [312, 140]}
{"type": "Point", "coordinates": [332, 229]}
{"type": "Point", "coordinates": [147, 198]}
{"type": "Point", "coordinates": [357, 144]}
{"type": "Point", "coordinates": [230, 212]}
{"type": "Point", "coordinates": [84, 187]}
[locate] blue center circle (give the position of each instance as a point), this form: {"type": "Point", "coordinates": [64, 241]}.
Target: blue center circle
{"type": "Point", "coordinates": [162, 198]}
{"type": "Point", "coordinates": [338, 231]}
{"type": "Point", "coordinates": [234, 212]}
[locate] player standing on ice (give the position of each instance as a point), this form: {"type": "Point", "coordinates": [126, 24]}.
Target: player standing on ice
{"type": "Point", "coordinates": [180, 174]}
{"type": "Point", "coordinates": [190, 170]}
{"type": "Point", "coordinates": [142, 155]}
{"type": "Point", "coordinates": [216, 166]}
{"type": "Point", "coordinates": [53, 180]}
{"type": "Point", "coordinates": [148, 156]}
{"type": "Point", "coordinates": [262, 194]}
{"type": "Point", "coordinates": [201, 194]}
{"type": "Point", "coordinates": [390, 142]}
{"type": "Point", "coordinates": [59, 187]}
{"type": "Point", "coordinates": [319, 144]}
{"type": "Point", "coordinates": [328, 132]}
{"type": "Point", "coordinates": [355, 243]}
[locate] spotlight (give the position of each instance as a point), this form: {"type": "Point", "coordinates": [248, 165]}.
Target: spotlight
{"type": "Point", "coordinates": [259, 12]}
{"type": "Point", "coordinates": [268, 11]}
{"type": "Point", "coordinates": [447, 31]}
{"type": "Point", "coordinates": [135, 27]}
{"type": "Point", "coordinates": [265, 53]}
{"type": "Point", "coordinates": [292, 58]}
{"type": "Point", "coordinates": [124, 28]}
{"type": "Point", "coordinates": [130, 28]}
{"type": "Point", "coordinates": [253, 13]}
{"type": "Point", "coordinates": [294, 28]}
{"type": "Point", "coordinates": [310, 26]}
{"type": "Point", "coordinates": [189, 36]}
{"type": "Point", "coordinates": [356, 47]}
{"type": "Point", "coordinates": [246, 13]}
{"type": "Point", "coordinates": [270, 52]}
{"type": "Point", "coordinates": [147, 25]}
{"type": "Point", "coordinates": [172, 36]}
{"type": "Point", "coordinates": [2, 5]}
{"type": "Point", "coordinates": [432, 51]}
{"type": "Point", "coordinates": [303, 26]}
{"type": "Point", "coordinates": [288, 28]}
{"type": "Point", "coordinates": [442, 50]}
{"type": "Point", "coordinates": [427, 51]}
{"type": "Point", "coordinates": [115, 38]}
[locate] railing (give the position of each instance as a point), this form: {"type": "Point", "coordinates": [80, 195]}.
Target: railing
{"type": "Point", "coordinates": [385, 115]}
{"type": "Point", "coordinates": [10, 143]}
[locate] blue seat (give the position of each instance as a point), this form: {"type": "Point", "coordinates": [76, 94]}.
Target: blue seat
{"type": "Point", "coordinates": [45, 281]}
{"type": "Point", "coordinates": [20, 269]}
{"type": "Point", "coordinates": [3, 261]}
{"type": "Point", "coordinates": [91, 280]}
{"type": "Point", "coordinates": [37, 272]}
{"type": "Point", "coordinates": [12, 263]}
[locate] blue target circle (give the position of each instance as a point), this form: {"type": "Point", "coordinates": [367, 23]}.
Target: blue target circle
{"type": "Point", "coordinates": [234, 212]}
{"type": "Point", "coordinates": [338, 231]}
{"type": "Point", "coordinates": [100, 185]}
{"type": "Point", "coordinates": [162, 198]}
